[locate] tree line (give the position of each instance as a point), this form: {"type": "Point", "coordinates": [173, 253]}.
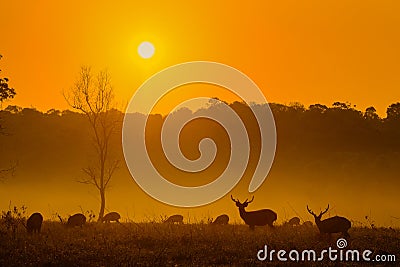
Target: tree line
{"type": "Point", "coordinates": [300, 130]}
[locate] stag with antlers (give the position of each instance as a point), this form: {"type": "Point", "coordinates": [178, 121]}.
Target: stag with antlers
{"type": "Point", "coordinates": [257, 217]}
{"type": "Point", "coordinates": [331, 225]}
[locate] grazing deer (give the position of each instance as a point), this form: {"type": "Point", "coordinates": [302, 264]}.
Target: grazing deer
{"type": "Point", "coordinates": [331, 225]}
{"type": "Point", "coordinates": [34, 223]}
{"type": "Point", "coordinates": [177, 218]}
{"type": "Point", "coordinates": [295, 221]}
{"type": "Point", "coordinates": [112, 216]}
{"type": "Point", "coordinates": [75, 220]}
{"type": "Point", "coordinates": [221, 220]}
{"type": "Point", "coordinates": [257, 217]}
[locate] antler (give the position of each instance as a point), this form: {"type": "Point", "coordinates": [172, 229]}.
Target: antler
{"type": "Point", "coordinates": [250, 200]}
{"type": "Point", "coordinates": [310, 211]}
{"type": "Point", "coordinates": [234, 199]}
{"type": "Point", "coordinates": [323, 212]}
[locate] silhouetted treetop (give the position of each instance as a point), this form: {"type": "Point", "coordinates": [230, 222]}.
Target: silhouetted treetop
{"type": "Point", "coordinates": [6, 92]}
{"type": "Point", "coordinates": [393, 111]}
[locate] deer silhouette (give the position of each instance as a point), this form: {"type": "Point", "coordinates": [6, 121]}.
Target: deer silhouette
{"type": "Point", "coordinates": [221, 220]}
{"type": "Point", "coordinates": [295, 221]}
{"type": "Point", "coordinates": [77, 219]}
{"type": "Point", "coordinates": [112, 216]}
{"type": "Point", "coordinates": [177, 218]}
{"type": "Point", "coordinates": [331, 225]}
{"type": "Point", "coordinates": [34, 223]}
{"type": "Point", "coordinates": [257, 217]}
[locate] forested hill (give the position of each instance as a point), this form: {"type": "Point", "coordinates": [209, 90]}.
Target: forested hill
{"type": "Point", "coordinates": [336, 155]}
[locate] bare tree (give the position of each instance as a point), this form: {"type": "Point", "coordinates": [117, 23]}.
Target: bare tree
{"type": "Point", "coordinates": [95, 98]}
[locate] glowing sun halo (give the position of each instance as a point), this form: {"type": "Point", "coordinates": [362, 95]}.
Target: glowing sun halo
{"type": "Point", "coordinates": [146, 50]}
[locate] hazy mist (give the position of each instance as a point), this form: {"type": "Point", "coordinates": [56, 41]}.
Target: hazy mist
{"type": "Point", "coordinates": [338, 155]}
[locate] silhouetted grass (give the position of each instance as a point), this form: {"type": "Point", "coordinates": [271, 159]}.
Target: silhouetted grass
{"type": "Point", "coordinates": [155, 244]}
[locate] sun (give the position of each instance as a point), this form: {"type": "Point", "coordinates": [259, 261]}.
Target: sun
{"type": "Point", "coordinates": [146, 50]}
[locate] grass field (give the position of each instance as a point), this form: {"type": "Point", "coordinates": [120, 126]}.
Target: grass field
{"type": "Point", "coordinates": [157, 244]}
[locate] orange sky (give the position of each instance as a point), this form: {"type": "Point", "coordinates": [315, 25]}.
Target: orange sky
{"type": "Point", "coordinates": [306, 51]}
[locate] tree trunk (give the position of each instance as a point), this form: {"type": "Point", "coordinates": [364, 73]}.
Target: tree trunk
{"type": "Point", "coordinates": [102, 204]}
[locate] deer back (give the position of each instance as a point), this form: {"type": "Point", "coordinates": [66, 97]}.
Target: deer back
{"type": "Point", "coordinates": [221, 219]}
{"type": "Point", "coordinates": [76, 220]}
{"type": "Point", "coordinates": [112, 216]}
{"type": "Point", "coordinates": [334, 225]}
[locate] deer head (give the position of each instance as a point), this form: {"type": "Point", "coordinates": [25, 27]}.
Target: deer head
{"type": "Point", "coordinates": [317, 217]}
{"type": "Point", "coordinates": [242, 205]}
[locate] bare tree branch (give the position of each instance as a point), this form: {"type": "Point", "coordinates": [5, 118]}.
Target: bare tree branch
{"type": "Point", "coordinates": [8, 171]}
{"type": "Point", "coordinates": [111, 171]}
